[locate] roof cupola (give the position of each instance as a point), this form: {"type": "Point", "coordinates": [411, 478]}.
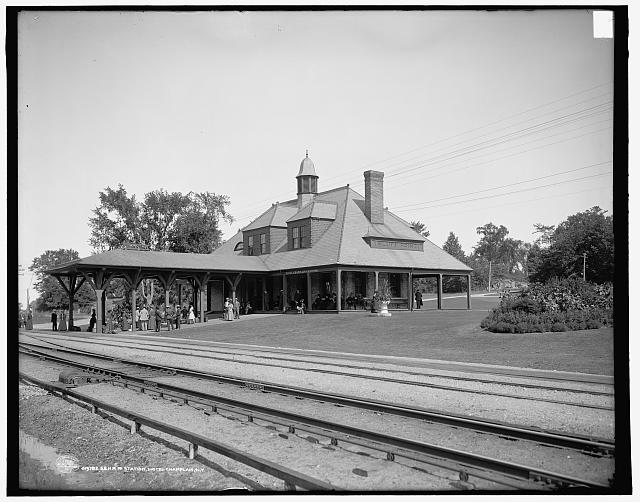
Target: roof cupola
{"type": "Point", "coordinates": [307, 181]}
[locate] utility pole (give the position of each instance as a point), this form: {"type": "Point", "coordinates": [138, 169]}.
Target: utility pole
{"type": "Point", "coordinates": [584, 267]}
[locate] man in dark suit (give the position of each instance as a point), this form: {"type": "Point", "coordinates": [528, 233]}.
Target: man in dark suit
{"type": "Point", "coordinates": [54, 320]}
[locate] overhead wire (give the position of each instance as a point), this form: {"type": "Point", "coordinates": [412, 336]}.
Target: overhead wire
{"type": "Point", "coordinates": [509, 184]}
{"type": "Point", "coordinates": [488, 125]}
{"type": "Point", "coordinates": [503, 194]}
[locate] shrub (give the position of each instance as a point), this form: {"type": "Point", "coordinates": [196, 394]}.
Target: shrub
{"type": "Point", "coordinates": [570, 304]}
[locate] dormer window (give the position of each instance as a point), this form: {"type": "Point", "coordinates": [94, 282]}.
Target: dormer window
{"type": "Point", "coordinates": [250, 250]}
{"type": "Point", "coordinates": [263, 243]}
{"type": "Point", "coordinates": [239, 246]}
{"type": "Point", "coordinates": [296, 237]}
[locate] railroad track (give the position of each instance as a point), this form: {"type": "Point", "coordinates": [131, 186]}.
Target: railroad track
{"type": "Point", "coordinates": [466, 463]}
{"type": "Point", "coordinates": [161, 348]}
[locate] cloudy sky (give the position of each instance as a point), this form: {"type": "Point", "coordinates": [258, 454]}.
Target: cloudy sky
{"type": "Point", "coordinates": [473, 116]}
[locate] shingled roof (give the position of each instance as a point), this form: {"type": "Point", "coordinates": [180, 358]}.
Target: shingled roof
{"type": "Point", "coordinates": [344, 242]}
{"type": "Point", "coordinates": [135, 259]}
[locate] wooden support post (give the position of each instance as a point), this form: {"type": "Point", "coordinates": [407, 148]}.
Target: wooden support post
{"type": "Point", "coordinates": [411, 291]}
{"type": "Point", "coordinates": [201, 302]}
{"type": "Point", "coordinates": [309, 299]}
{"type": "Point", "coordinates": [285, 295]}
{"type": "Point", "coordinates": [339, 288]}
{"type": "Point", "coordinates": [468, 291]}
{"type": "Point", "coordinates": [376, 287]}
{"type": "Point", "coordinates": [180, 296]}
{"type": "Point", "coordinates": [264, 291]}
{"type": "Point", "coordinates": [439, 276]}
{"type": "Point", "coordinates": [166, 298]}
{"type": "Point", "coordinates": [134, 327]}
{"type": "Point", "coordinates": [100, 312]}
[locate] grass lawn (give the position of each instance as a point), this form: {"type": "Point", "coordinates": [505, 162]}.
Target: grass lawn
{"type": "Point", "coordinates": [453, 334]}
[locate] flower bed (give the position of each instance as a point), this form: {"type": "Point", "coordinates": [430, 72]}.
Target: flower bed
{"type": "Point", "coordinates": [566, 305]}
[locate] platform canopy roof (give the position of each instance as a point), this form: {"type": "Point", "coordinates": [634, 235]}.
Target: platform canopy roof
{"type": "Point", "coordinates": [160, 260]}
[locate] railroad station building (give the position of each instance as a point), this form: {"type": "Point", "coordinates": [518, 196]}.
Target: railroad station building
{"type": "Point", "coordinates": [329, 249]}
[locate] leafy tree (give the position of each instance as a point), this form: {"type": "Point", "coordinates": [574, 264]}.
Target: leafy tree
{"type": "Point", "coordinates": [420, 227]}
{"type": "Point", "coordinates": [589, 232]}
{"type": "Point", "coordinates": [52, 294]}
{"type": "Point", "coordinates": [491, 246]}
{"type": "Point", "coordinates": [546, 234]}
{"type": "Point", "coordinates": [163, 221]}
{"type": "Point", "coordinates": [453, 247]}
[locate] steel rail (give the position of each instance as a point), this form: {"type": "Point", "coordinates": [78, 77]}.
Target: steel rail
{"type": "Point", "coordinates": [478, 425]}
{"type": "Point", "coordinates": [150, 347]}
{"type": "Point", "coordinates": [447, 366]}
{"type": "Point", "coordinates": [291, 477]}
{"type": "Point", "coordinates": [391, 444]}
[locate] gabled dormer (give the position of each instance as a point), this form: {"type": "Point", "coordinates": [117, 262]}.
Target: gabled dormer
{"type": "Point", "coordinates": [306, 227]}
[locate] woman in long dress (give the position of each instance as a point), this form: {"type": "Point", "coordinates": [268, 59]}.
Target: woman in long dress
{"type": "Point", "coordinates": [192, 316]}
{"type": "Point", "coordinates": [62, 324]}
{"type": "Point", "coordinates": [152, 318]}
{"type": "Point", "coordinates": [228, 310]}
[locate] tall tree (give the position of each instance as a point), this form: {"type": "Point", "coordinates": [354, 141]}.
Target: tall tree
{"type": "Point", "coordinates": [52, 294]}
{"type": "Point", "coordinates": [491, 246]}
{"type": "Point", "coordinates": [452, 246]}
{"type": "Point", "coordinates": [583, 239]}
{"type": "Point", "coordinates": [420, 227]}
{"type": "Point", "coordinates": [546, 234]}
{"type": "Point", "coordinates": [163, 221]}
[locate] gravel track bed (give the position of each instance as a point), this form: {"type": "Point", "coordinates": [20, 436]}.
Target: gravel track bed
{"type": "Point", "coordinates": [553, 459]}
{"type": "Point", "coordinates": [407, 371]}
{"type": "Point", "coordinates": [565, 418]}
{"type": "Point", "coordinates": [343, 468]}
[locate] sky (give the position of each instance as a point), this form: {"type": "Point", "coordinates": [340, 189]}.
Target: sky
{"type": "Point", "coordinates": [473, 116]}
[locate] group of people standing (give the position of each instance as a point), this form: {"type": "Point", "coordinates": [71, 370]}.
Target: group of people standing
{"type": "Point", "coordinates": [172, 315]}
{"type": "Point", "coordinates": [59, 322]}
{"type": "Point", "coordinates": [146, 319]}
{"type": "Point", "coordinates": [231, 309]}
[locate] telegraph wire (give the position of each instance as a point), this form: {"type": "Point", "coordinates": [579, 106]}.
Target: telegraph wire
{"type": "Point", "coordinates": [509, 184]}
{"type": "Point", "coordinates": [504, 156]}
{"type": "Point", "coordinates": [524, 201]}
{"type": "Point", "coordinates": [498, 121]}
{"type": "Point", "coordinates": [509, 126]}
{"type": "Point", "coordinates": [462, 134]}
{"type": "Point", "coordinates": [506, 193]}
{"type": "Point", "coordinates": [461, 151]}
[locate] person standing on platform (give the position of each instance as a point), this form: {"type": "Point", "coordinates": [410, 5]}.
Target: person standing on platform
{"type": "Point", "coordinates": [176, 313]}
{"type": "Point", "coordinates": [29, 320]}
{"type": "Point", "coordinates": [236, 308]}
{"type": "Point", "coordinates": [418, 299]}
{"type": "Point", "coordinates": [192, 316]}
{"type": "Point", "coordinates": [92, 321]}
{"type": "Point", "coordinates": [158, 318]}
{"type": "Point", "coordinates": [138, 324]}
{"type": "Point", "coordinates": [110, 321]}
{"type": "Point", "coordinates": [54, 320]}
{"type": "Point", "coordinates": [62, 325]}
{"type": "Point", "coordinates": [144, 318]}
{"type": "Point", "coordinates": [168, 317]}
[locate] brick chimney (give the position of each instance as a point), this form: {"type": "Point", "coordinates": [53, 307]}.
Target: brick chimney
{"type": "Point", "coordinates": [373, 196]}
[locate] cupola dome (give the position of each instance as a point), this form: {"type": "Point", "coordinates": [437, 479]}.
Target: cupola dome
{"type": "Point", "coordinates": [306, 167]}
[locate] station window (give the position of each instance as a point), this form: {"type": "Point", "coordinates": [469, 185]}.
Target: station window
{"type": "Point", "coordinates": [250, 250]}
{"type": "Point", "coordinates": [296, 237]}
{"type": "Point", "coordinates": [263, 243]}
